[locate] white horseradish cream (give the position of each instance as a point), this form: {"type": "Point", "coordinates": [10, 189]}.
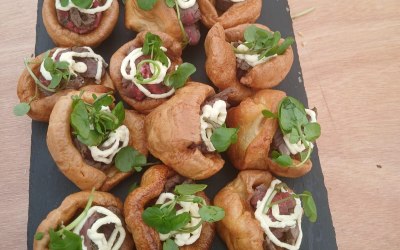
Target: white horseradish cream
{"type": "Point", "coordinates": [121, 134]}
{"type": "Point", "coordinates": [282, 221]}
{"type": "Point", "coordinates": [99, 239]}
{"type": "Point", "coordinates": [182, 239]}
{"type": "Point", "coordinates": [237, 1]}
{"type": "Point", "coordinates": [86, 11]}
{"type": "Point", "coordinates": [76, 67]}
{"type": "Point", "coordinates": [299, 147]}
{"type": "Point", "coordinates": [252, 60]}
{"type": "Point", "coordinates": [130, 60]}
{"type": "Point", "coordinates": [217, 114]}
{"type": "Point", "coordinates": [186, 4]}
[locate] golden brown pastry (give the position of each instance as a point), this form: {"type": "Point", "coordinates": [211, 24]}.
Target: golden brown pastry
{"type": "Point", "coordinates": [156, 181]}
{"type": "Point", "coordinates": [226, 70]}
{"type": "Point", "coordinates": [73, 27]}
{"type": "Point", "coordinates": [183, 27]}
{"type": "Point", "coordinates": [141, 95]}
{"type": "Point", "coordinates": [229, 13]}
{"type": "Point", "coordinates": [91, 168]}
{"type": "Point", "coordinates": [260, 139]}
{"type": "Point", "coordinates": [176, 131]}
{"type": "Point", "coordinates": [72, 207]}
{"type": "Point", "coordinates": [42, 101]}
{"type": "Point", "coordinates": [257, 207]}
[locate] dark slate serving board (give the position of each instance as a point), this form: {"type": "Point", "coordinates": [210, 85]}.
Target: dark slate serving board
{"type": "Point", "coordinates": [48, 186]}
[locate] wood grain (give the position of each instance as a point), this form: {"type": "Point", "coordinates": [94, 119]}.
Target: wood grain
{"type": "Point", "coordinates": [349, 52]}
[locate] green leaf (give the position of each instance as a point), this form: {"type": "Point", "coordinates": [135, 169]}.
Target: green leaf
{"type": "Point", "coordinates": [104, 100]}
{"type": "Point", "coordinates": [119, 112]}
{"type": "Point", "coordinates": [312, 131]}
{"type": "Point", "coordinates": [282, 159]}
{"type": "Point", "coordinates": [269, 114]}
{"type": "Point", "coordinates": [283, 47]}
{"type": "Point", "coordinates": [170, 245]}
{"type": "Point", "coordinates": [211, 213]}
{"type": "Point", "coordinates": [94, 138]}
{"type": "Point", "coordinates": [83, 4]}
{"type": "Point", "coordinates": [62, 65]}
{"type": "Point", "coordinates": [250, 33]}
{"type": "Point", "coordinates": [146, 4]}
{"type": "Point", "coordinates": [80, 119]}
{"type": "Point", "coordinates": [64, 3]}
{"type": "Point", "coordinates": [164, 220]}
{"type": "Point", "coordinates": [55, 80]}
{"type": "Point", "coordinates": [170, 3]}
{"type": "Point", "coordinates": [39, 235]}
{"type": "Point", "coordinates": [152, 46]}
{"type": "Point", "coordinates": [310, 209]}
{"type": "Point", "coordinates": [49, 64]}
{"type": "Point", "coordinates": [180, 76]}
{"type": "Point", "coordinates": [128, 158]}
{"type": "Point", "coordinates": [68, 241]}
{"type": "Point", "coordinates": [189, 189]}
{"type": "Point", "coordinates": [22, 109]}
{"type": "Point", "coordinates": [223, 137]}
{"type": "Point", "coordinates": [294, 136]}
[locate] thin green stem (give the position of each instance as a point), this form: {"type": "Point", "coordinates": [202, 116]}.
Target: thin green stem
{"type": "Point", "coordinates": [36, 80]}
{"type": "Point", "coordinates": [269, 200]}
{"type": "Point", "coordinates": [306, 158]}
{"type": "Point", "coordinates": [156, 73]}
{"type": "Point", "coordinates": [178, 13]}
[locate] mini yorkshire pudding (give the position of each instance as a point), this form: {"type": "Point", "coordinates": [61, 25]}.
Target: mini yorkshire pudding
{"type": "Point", "coordinates": [81, 152]}
{"type": "Point", "coordinates": [264, 140]}
{"type": "Point", "coordinates": [260, 213]}
{"type": "Point", "coordinates": [185, 132]}
{"type": "Point", "coordinates": [41, 93]}
{"type": "Point", "coordinates": [179, 21]}
{"type": "Point", "coordinates": [159, 182]}
{"type": "Point", "coordinates": [104, 209]}
{"type": "Point", "coordinates": [145, 70]}
{"type": "Point", "coordinates": [229, 13]}
{"type": "Point", "coordinates": [79, 23]}
{"type": "Point", "coordinates": [246, 58]}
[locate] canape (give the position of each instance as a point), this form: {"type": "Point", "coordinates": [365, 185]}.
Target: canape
{"type": "Point", "coordinates": [247, 58]}
{"type": "Point", "coordinates": [85, 220]}
{"type": "Point", "coordinates": [94, 143]}
{"type": "Point", "coordinates": [79, 23]}
{"type": "Point", "coordinates": [277, 133]}
{"type": "Point", "coordinates": [177, 18]}
{"type": "Point", "coordinates": [56, 73]}
{"type": "Point", "coordinates": [262, 213]}
{"type": "Point", "coordinates": [229, 13]}
{"type": "Point", "coordinates": [188, 131]}
{"type": "Point", "coordinates": [188, 216]}
{"type": "Point", "coordinates": [147, 70]}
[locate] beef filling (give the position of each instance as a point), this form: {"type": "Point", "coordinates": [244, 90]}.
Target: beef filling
{"type": "Point", "coordinates": [81, 79]}
{"type": "Point", "coordinates": [129, 88]}
{"type": "Point", "coordinates": [223, 5]}
{"type": "Point", "coordinates": [87, 155]}
{"type": "Point", "coordinates": [242, 67]}
{"type": "Point", "coordinates": [105, 229]}
{"type": "Point", "coordinates": [287, 234]}
{"type": "Point", "coordinates": [79, 22]}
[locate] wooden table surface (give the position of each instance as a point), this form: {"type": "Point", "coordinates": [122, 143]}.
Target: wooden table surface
{"type": "Point", "coordinates": [350, 55]}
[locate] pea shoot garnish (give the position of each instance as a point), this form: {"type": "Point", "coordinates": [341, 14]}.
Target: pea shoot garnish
{"type": "Point", "coordinates": [223, 137]}
{"type": "Point", "coordinates": [93, 123]}
{"type": "Point", "coordinates": [294, 123]}
{"type": "Point", "coordinates": [165, 220]}
{"type": "Point", "coordinates": [263, 43]}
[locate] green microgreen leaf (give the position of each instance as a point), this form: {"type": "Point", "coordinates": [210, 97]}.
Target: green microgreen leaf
{"type": "Point", "coordinates": [39, 235]}
{"type": "Point", "coordinates": [128, 158]}
{"type": "Point", "coordinates": [146, 4]}
{"type": "Point", "coordinates": [170, 3]}
{"type": "Point", "coordinates": [310, 209]}
{"type": "Point", "coordinates": [281, 159]}
{"type": "Point", "coordinates": [83, 4]}
{"type": "Point", "coordinates": [189, 189]}
{"type": "Point", "coordinates": [119, 112]}
{"type": "Point", "coordinates": [80, 119]}
{"type": "Point", "coordinates": [170, 245]}
{"type": "Point", "coordinates": [312, 131]}
{"type": "Point", "coordinates": [64, 3]}
{"type": "Point", "coordinates": [223, 137]}
{"type": "Point", "coordinates": [104, 100]}
{"type": "Point", "coordinates": [283, 47]}
{"type": "Point", "coordinates": [55, 80]}
{"type": "Point", "coordinates": [211, 213]}
{"type": "Point", "coordinates": [152, 46]}
{"type": "Point", "coordinates": [165, 220]}
{"type": "Point", "coordinates": [67, 241]}
{"type": "Point", "coordinates": [269, 114]}
{"type": "Point", "coordinates": [179, 77]}
{"type": "Point", "coordinates": [22, 109]}
{"type": "Point", "coordinates": [294, 136]}
{"type": "Point", "coordinates": [57, 70]}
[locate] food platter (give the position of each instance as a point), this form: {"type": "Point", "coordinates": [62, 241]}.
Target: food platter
{"type": "Point", "coordinates": [48, 186]}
